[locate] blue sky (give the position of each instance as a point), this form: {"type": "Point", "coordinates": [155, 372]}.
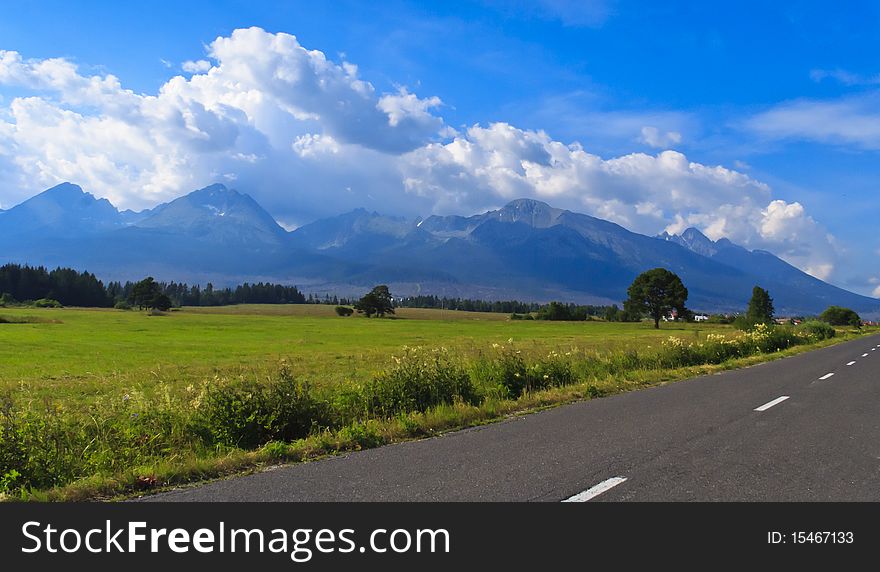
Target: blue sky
{"type": "Point", "coordinates": [783, 97]}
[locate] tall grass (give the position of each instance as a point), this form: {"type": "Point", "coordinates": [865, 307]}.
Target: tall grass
{"type": "Point", "coordinates": [45, 444]}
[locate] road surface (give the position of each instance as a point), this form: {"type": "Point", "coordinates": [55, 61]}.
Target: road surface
{"type": "Point", "coordinates": [804, 428]}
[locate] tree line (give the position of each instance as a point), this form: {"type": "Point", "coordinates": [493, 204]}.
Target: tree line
{"type": "Point", "coordinates": [658, 294]}
{"type": "Point", "coordinates": [73, 288]}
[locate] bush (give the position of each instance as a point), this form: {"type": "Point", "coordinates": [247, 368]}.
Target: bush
{"type": "Point", "coordinates": [509, 373]}
{"type": "Point", "coordinates": [837, 316]}
{"type": "Point", "coordinates": [7, 300]}
{"type": "Point", "coordinates": [817, 330]}
{"type": "Point", "coordinates": [247, 413]}
{"type": "Point", "coordinates": [122, 305]}
{"type": "Point", "coordinates": [553, 371]}
{"type": "Point", "coordinates": [745, 323]}
{"type": "Point", "coordinates": [47, 303]}
{"type": "Point", "coordinates": [344, 311]}
{"type": "Point", "coordinates": [418, 380]}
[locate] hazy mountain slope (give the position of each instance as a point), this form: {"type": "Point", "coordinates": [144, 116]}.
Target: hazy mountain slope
{"type": "Point", "coordinates": [791, 288]}
{"type": "Point", "coordinates": [62, 211]}
{"type": "Point", "coordinates": [526, 249]}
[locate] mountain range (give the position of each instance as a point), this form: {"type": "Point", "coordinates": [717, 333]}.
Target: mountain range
{"type": "Point", "coordinates": [525, 250]}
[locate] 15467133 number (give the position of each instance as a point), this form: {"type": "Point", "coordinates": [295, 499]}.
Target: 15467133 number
{"type": "Point", "coordinates": [811, 537]}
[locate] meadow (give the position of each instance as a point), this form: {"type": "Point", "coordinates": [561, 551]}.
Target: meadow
{"type": "Point", "coordinates": [101, 403]}
{"type": "Point", "coordinates": [75, 354]}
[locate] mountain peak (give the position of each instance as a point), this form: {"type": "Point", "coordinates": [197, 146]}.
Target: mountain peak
{"type": "Point", "coordinates": [68, 195]}
{"type": "Point", "coordinates": [64, 189]}
{"type": "Point", "coordinates": [217, 213]}
{"type": "Point", "coordinates": [693, 240]}
{"type": "Point", "coordinates": [692, 233]}
{"type": "Point", "coordinates": [526, 204]}
{"type": "Point", "coordinates": [217, 191]}
{"type": "Point", "coordinates": [61, 210]}
{"type": "Point", "coordinates": [530, 211]}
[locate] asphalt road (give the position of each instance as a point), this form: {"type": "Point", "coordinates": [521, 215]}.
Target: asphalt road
{"type": "Point", "coordinates": [695, 440]}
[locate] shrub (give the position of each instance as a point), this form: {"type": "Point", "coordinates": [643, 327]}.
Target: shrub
{"type": "Point", "coordinates": [122, 305]}
{"type": "Point", "coordinates": [418, 380]}
{"type": "Point", "coordinates": [837, 316]}
{"type": "Point", "coordinates": [506, 371]}
{"type": "Point", "coordinates": [247, 413]}
{"type": "Point", "coordinates": [552, 371]}
{"type": "Point", "coordinates": [745, 323]}
{"type": "Point", "coordinates": [47, 303]}
{"type": "Point", "coordinates": [818, 330]}
{"type": "Point", "coordinates": [361, 435]}
{"type": "Point", "coordinates": [344, 311]}
{"type": "Point", "coordinates": [509, 373]}
{"type": "Point", "coordinates": [6, 299]}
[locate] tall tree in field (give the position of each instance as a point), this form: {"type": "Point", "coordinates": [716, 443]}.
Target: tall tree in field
{"type": "Point", "coordinates": [656, 293]}
{"type": "Point", "coordinates": [760, 306]}
{"type": "Point", "coordinates": [377, 301]}
{"type": "Point", "coordinates": [145, 293]}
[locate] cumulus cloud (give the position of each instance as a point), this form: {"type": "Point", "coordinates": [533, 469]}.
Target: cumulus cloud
{"type": "Point", "coordinates": [308, 137]}
{"type": "Point", "coordinates": [198, 66]}
{"type": "Point", "coordinates": [253, 110]}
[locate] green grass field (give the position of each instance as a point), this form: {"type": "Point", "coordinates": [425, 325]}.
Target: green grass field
{"type": "Point", "coordinates": [101, 403]}
{"type": "Point", "coordinates": [73, 354]}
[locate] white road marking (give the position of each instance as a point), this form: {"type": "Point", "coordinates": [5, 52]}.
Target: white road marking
{"type": "Point", "coordinates": [770, 404]}
{"type": "Point", "coordinates": [851, 363]}
{"type": "Point", "coordinates": [864, 355]}
{"type": "Point", "coordinates": [873, 349]}
{"type": "Point", "coordinates": [597, 490]}
{"type": "Point", "coordinates": [826, 376]}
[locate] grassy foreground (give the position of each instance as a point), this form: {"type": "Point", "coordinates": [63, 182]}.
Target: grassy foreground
{"type": "Point", "coordinates": [99, 404]}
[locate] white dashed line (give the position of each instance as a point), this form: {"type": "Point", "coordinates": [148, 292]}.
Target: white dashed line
{"type": "Point", "coordinates": [597, 490]}
{"type": "Point", "coordinates": [826, 376]}
{"type": "Point", "coordinates": [770, 404]}
{"type": "Point", "coordinates": [851, 363]}
{"type": "Point", "coordinates": [864, 355]}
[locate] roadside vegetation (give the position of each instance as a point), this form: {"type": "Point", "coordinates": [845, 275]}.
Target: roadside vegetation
{"type": "Point", "coordinates": [157, 433]}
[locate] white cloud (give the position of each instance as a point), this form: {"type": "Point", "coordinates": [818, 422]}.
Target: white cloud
{"type": "Point", "coordinates": [198, 66]}
{"type": "Point", "coordinates": [310, 145]}
{"type": "Point", "coordinates": [250, 110]}
{"type": "Point", "coordinates": [309, 137]}
{"type": "Point", "coordinates": [405, 106]}
{"type": "Point", "coordinates": [843, 76]}
{"type": "Point", "coordinates": [653, 137]}
{"type": "Point", "coordinates": [847, 121]}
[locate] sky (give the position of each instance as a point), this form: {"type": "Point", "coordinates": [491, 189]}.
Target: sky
{"type": "Point", "coordinates": [755, 121]}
